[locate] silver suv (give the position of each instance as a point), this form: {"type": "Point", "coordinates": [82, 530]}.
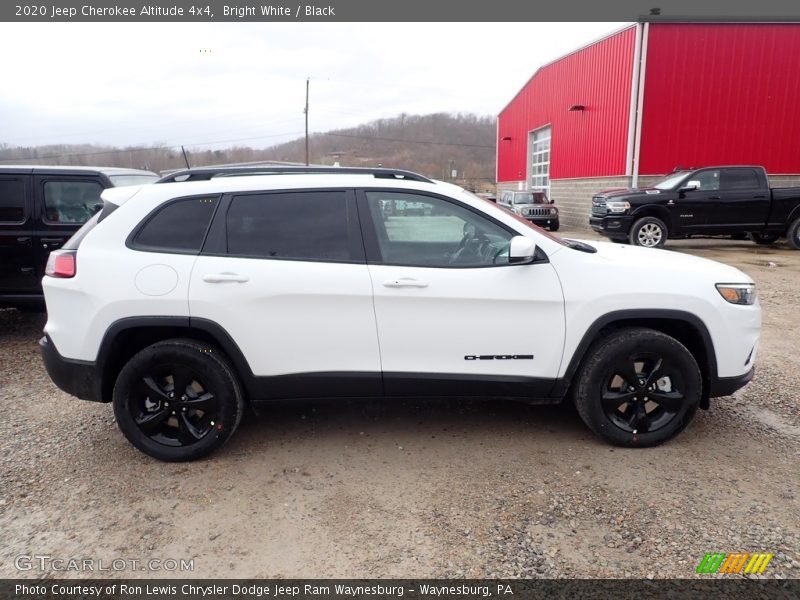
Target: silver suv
{"type": "Point", "coordinates": [536, 207]}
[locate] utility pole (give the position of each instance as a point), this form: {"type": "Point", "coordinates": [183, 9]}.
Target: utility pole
{"type": "Point", "coordinates": [306, 113]}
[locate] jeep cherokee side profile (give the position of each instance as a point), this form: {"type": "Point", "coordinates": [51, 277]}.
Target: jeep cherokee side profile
{"type": "Point", "coordinates": [182, 302]}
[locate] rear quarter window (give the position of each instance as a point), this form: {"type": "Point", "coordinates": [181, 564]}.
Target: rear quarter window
{"type": "Point", "coordinates": [179, 226]}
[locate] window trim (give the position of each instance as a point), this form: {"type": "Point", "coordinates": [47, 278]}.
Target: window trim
{"type": "Point", "coordinates": [26, 208]}
{"type": "Point", "coordinates": [372, 244]}
{"type": "Point", "coordinates": [216, 242]}
{"type": "Point", "coordinates": [130, 241]}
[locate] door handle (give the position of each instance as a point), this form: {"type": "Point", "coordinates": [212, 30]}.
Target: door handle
{"type": "Point", "coordinates": [25, 241]}
{"type": "Point", "coordinates": [671, 203]}
{"type": "Point", "coordinates": [225, 278]}
{"type": "Point", "coordinates": [405, 282]}
{"type": "Point", "coordinates": [715, 198]}
{"type": "Point", "coordinates": [55, 242]}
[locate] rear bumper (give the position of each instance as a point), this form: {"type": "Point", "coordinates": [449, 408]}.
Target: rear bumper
{"type": "Point", "coordinates": [725, 386]}
{"type": "Point", "coordinates": [77, 378]}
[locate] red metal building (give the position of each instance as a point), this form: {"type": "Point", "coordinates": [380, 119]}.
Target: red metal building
{"type": "Point", "coordinates": [643, 100]}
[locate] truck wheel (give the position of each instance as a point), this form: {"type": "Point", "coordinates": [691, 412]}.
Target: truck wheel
{"type": "Point", "coordinates": [793, 235]}
{"type": "Point", "coordinates": [554, 226]}
{"type": "Point", "coordinates": [638, 387]}
{"type": "Point", "coordinates": [649, 232]}
{"type": "Point", "coordinates": [177, 400]}
{"type": "Point", "coordinates": [764, 239]}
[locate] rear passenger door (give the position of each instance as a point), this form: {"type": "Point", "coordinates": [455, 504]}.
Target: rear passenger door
{"type": "Point", "coordinates": [284, 273]}
{"type": "Point", "coordinates": [63, 204]}
{"type": "Point", "coordinates": [17, 252]}
{"type": "Point", "coordinates": [745, 201]}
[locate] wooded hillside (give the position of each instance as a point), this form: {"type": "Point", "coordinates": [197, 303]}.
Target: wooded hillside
{"type": "Point", "coordinates": [433, 145]}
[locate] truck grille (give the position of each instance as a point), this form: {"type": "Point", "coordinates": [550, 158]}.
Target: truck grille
{"type": "Point", "coordinates": [537, 212]}
{"type": "Point", "coordinates": [599, 206]}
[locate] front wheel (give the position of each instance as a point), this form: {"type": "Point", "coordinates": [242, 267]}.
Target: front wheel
{"type": "Point", "coordinates": [649, 232]}
{"type": "Point", "coordinates": [177, 400]}
{"type": "Point", "coordinates": [554, 226]}
{"type": "Point", "coordinates": [638, 387]}
{"type": "Point", "coordinates": [764, 239]}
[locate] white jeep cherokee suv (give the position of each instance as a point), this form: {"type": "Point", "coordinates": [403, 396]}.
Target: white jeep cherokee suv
{"type": "Point", "coordinates": [182, 302]}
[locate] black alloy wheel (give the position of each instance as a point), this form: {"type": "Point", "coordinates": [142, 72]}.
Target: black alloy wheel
{"type": "Point", "coordinates": [637, 387]}
{"type": "Point", "coordinates": [178, 400]}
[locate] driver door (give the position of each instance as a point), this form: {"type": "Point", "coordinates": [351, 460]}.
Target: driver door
{"type": "Point", "coordinates": [454, 317]}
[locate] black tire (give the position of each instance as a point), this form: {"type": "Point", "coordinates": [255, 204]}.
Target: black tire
{"type": "Point", "coordinates": [764, 239]}
{"type": "Point", "coordinates": [666, 390]}
{"type": "Point", "coordinates": [649, 232]}
{"type": "Point", "coordinates": [555, 226]}
{"type": "Point", "coordinates": [618, 240]}
{"type": "Point", "coordinates": [162, 421]}
{"type": "Point", "coordinates": [793, 235]}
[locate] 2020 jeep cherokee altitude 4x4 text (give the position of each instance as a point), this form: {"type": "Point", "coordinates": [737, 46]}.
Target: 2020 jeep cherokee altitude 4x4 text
{"type": "Point", "coordinates": [180, 302]}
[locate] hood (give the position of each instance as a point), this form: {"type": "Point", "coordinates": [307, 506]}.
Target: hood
{"type": "Point", "coordinates": [659, 261]}
{"type": "Point", "coordinates": [615, 192]}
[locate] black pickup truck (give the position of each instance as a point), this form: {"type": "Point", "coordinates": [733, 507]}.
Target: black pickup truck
{"type": "Point", "coordinates": [730, 200]}
{"type": "Point", "coordinates": [40, 208]}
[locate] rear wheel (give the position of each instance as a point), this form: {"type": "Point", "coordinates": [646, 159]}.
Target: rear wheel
{"type": "Point", "coordinates": [177, 400]}
{"type": "Point", "coordinates": [649, 232]}
{"type": "Point", "coordinates": [764, 239]}
{"type": "Point", "coordinates": [793, 235]}
{"type": "Point", "coordinates": [638, 387]}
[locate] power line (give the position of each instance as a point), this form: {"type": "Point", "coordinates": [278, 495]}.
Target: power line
{"type": "Point", "coordinates": [384, 139]}
{"type": "Point", "coordinates": [144, 148]}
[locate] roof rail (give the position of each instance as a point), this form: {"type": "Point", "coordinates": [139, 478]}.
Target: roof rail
{"type": "Point", "coordinates": [206, 173]}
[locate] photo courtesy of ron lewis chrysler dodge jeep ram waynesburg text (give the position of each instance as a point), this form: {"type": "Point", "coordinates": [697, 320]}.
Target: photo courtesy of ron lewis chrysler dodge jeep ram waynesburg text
{"type": "Point", "coordinates": [180, 302]}
{"type": "Point", "coordinates": [734, 201]}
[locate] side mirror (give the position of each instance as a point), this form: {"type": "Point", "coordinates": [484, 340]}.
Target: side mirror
{"type": "Point", "coordinates": [691, 186]}
{"type": "Point", "coordinates": [521, 250]}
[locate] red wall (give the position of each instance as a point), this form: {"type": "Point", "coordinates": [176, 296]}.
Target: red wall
{"type": "Point", "coordinates": [585, 144]}
{"type": "Point", "coordinates": [722, 93]}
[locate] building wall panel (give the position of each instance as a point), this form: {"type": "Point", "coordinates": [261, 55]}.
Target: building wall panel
{"type": "Point", "coordinates": [589, 143]}
{"type": "Point", "coordinates": [721, 94]}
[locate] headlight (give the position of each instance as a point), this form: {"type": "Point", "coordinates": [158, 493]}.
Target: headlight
{"type": "Point", "coordinates": [553, 211]}
{"type": "Point", "coordinates": [738, 293]}
{"type": "Point", "coordinates": [617, 207]}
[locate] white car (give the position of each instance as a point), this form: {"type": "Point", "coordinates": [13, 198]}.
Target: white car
{"type": "Point", "coordinates": [181, 302]}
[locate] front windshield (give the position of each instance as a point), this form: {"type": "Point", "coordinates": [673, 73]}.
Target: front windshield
{"type": "Point", "coordinates": [123, 180]}
{"type": "Point", "coordinates": [670, 181]}
{"type": "Point", "coordinates": [530, 198]}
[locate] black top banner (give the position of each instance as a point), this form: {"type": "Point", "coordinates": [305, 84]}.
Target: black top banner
{"type": "Point", "coordinates": [402, 10]}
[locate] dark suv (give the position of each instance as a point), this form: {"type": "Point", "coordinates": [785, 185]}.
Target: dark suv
{"type": "Point", "coordinates": [40, 208]}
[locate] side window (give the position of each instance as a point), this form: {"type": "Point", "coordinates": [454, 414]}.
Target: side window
{"type": "Point", "coordinates": [294, 225]}
{"type": "Point", "coordinates": [431, 232]}
{"type": "Point", "coordinates": [179, 226]}
{"type": "Point", "coordinates": [12, 200]}
{"type": "Point", "coordinates": [71, 201]}
{"type": "Point", "coordinates": [706, 180]}
{"type": "Point", "coordinates": [739, 179]}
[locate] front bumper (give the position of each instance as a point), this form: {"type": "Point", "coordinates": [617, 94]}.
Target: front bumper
{"type": "Point", "coordinates": [726, 386]}
{"type": "Point", "coordinates": [542, 221]}
{"type": "Point", "coordinates": [615, 226]}
{"type": "Point", "coordinates": [75, 377]}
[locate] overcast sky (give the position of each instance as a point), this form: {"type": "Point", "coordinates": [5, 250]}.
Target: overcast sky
{"type": "Point", "coordinates": [213, 85]}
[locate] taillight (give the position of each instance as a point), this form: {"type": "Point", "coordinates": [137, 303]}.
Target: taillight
{"type": "Point", "coordinates": [61, 263]}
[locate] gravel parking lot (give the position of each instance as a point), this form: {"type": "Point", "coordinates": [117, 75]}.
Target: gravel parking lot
{"type": "Point", "coordinates": [420, 488]}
